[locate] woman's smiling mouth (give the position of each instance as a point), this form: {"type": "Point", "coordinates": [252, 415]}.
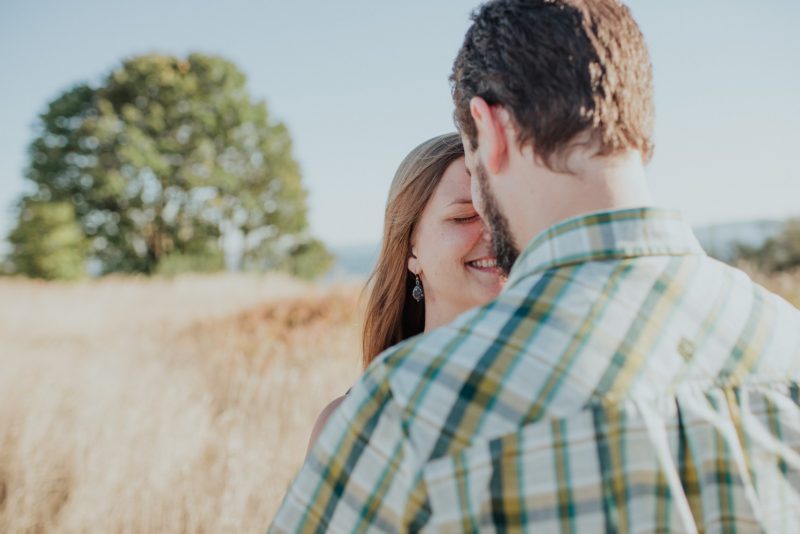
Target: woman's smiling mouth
{"type": "Point", "coordinates": [487, 265]}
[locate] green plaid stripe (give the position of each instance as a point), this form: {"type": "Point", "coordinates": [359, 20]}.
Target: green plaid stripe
{"type": "Point", "coordinates": [566, 505]}
{"type": "Point", "coordinates": [479, 385]}
{"type": "Point", "coordinates": [527, 413]}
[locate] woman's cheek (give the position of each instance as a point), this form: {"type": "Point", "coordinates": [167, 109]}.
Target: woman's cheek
{"type": "Point", "coordinates": [457, 240]}
{"type": "Point", "coordinates": [471, 234]}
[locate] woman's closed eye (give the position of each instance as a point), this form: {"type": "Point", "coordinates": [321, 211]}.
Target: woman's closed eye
{"type": "Point", "coordinates": [468, 219]}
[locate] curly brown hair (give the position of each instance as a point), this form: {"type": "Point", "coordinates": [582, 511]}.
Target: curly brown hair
{"type": "Point", "coordinates": [560, 68]}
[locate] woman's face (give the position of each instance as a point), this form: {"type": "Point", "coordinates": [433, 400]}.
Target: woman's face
{"type": "Point", "coordinates": [451, 250]}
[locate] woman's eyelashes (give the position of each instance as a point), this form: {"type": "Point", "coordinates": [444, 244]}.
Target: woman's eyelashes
{"type": "Point", "coordinates": [468, 219]}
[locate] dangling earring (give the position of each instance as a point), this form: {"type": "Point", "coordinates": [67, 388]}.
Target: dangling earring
{"type": "Point", "coordinates": [417, 292]}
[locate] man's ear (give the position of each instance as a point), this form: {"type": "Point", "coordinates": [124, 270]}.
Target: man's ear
{"type": "Point", "coordinates": [491, 123]}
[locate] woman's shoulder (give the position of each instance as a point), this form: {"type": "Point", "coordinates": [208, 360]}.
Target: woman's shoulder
{"type": "Point", "coordinates": [323, 418]}
{"type": "Point", "coordinates": [330, 408]}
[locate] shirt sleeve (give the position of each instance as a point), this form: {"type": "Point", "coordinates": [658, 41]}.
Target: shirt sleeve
{"type": "Point", "coordinates": [362, 472]}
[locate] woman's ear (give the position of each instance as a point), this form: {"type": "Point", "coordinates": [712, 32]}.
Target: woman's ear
{"type": "Point", "coordinates": [413, 263]}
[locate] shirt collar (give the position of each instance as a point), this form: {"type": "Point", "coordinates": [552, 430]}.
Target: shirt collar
{"type": "Point", "coordinates": [607, 235]}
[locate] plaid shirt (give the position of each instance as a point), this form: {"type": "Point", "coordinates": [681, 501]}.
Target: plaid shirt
{"type": "Point", "coordinates": [622, 381]}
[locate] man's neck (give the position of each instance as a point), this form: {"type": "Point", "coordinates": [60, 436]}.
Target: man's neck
{"type": "Point", "coordinates": [594, 184]}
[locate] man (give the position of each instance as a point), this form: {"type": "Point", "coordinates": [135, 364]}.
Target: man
{"type": "Point", "coordinates": [622, 381]}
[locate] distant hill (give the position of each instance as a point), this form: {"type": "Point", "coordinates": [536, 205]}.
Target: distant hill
{"type": "Point", "coordinates": [720, 240]}
{"type": "Point", "coordinates": [353, 261]}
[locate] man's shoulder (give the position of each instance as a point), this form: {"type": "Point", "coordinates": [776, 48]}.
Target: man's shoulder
{"type": "Point", "coordinates": [765, 300]}
{"type": "Point", "coordinates": [773, 327]}
{"type": "Point", "coordinates": [456, 343]}
{"type": "Point", "coordinates": [552, 343]}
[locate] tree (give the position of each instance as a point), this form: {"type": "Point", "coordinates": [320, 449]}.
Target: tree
{"type": "Point", "coordinates": [165, 159]}
{"type": "Point", "coordinates": [779, 253]}
{"type": "Point", "coordinates": [48, 242]}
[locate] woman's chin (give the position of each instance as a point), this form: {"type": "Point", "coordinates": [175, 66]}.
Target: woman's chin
{"type": "Point", "coordinates": [487, 283]}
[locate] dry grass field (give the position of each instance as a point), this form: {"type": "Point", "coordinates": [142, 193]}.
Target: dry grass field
{"type": "Point", "coordinates": [163, 406]}
{"type": "Point", "coordinates": [133, 405]}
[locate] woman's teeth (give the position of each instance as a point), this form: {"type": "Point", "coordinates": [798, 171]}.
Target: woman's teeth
{"type": "Point", "coordinates": [483, 264]}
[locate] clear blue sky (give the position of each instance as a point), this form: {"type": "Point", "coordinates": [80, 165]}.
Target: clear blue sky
{"type": "Point", "coordinates": [359, 83]}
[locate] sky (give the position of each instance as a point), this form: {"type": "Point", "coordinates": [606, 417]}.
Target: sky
{"type": "Point", "coordinates": [360, 83]}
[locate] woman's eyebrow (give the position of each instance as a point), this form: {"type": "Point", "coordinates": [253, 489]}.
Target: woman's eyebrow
{"type": "Point", "coordinates": [461, 201]}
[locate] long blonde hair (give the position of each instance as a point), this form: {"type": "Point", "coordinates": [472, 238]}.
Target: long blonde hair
{"type": "Point", "coordinates": [391, 314]}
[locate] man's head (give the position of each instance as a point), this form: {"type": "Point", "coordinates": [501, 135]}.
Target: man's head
{"type": "Point", "coordinates": [542, 79]}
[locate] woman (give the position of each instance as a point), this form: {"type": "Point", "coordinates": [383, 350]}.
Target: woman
{"type": "Point", "coordinates": [435, 261]}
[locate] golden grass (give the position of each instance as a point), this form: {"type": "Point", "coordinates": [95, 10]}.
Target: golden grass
{"type": "Point", "coordinates": [163, 406]}
{"type": "Point", "coordinates": [134, 405]}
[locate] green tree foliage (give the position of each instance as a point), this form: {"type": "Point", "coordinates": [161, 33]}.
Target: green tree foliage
{"type": "Point", "coordinates": [48, 242]}
{"type": "Point", "coordinates": [161, 161]}
{"type": "Point", "coordinates": [779, 253]}
{"type": "Point", "coordinates": [306, 259]}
